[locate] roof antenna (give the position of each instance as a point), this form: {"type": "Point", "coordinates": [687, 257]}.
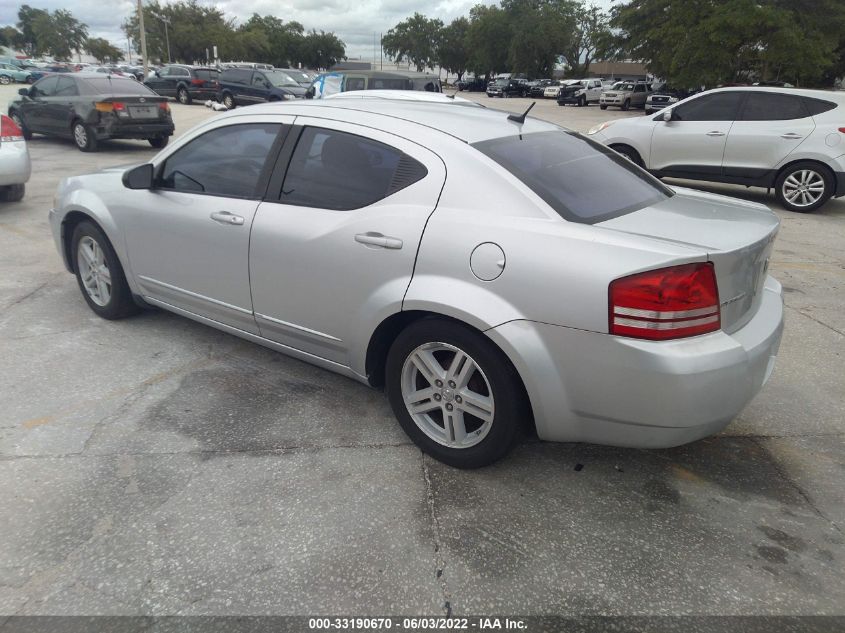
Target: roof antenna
{"type": "Point", "coordinates": [520, 118]}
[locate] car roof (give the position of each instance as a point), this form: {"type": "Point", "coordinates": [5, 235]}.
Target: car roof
{"type": "Point", "coordinates": [829, 95]}
{"type": "Point", "coordinates": [468, 124]}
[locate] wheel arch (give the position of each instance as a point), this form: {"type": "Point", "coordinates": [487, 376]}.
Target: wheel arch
{"type": "Point", "coordinates": [386, 332]}
{"type": "Point", "coordinates": [793, 161]}
{"type": "Point", "coordinates": [639, 155]}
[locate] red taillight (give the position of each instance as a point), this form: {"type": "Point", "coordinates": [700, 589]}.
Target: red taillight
{"type": "Point", "coordinates": [197, 82]}
{"type": "Point", "coordinates": [9, 130]}
{"type": "Point", "coordinates": [118, 106]}
{"type": "Point", "coordinates": [842, 129]}
{"type": "Point", "coordinates": [163, 105]}
{"type": "Point", "coordinates": [666, 303]}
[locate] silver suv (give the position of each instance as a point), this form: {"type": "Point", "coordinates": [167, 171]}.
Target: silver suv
{"type": "Point", "coordinates": [625, 95]}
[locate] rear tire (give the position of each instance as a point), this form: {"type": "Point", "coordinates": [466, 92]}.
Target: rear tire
{"type": "Point", "coordinates": [84, 137]}
{"type": "Point", "coordinates": [159, 141]}
{"type": "Point", "coordinates": [5, 80]}
{"type": "Point", "coordinates": [475, 415]}
{"type": "Point", "coordinates": [12, 193]}
{"type": "Point", "coordinates": [99, 273]}
{"type": "Point", "coordinates": [603, 107]}
{"type": "Point", "coordinates": [804, 186]}
{"type": "Point", "coordinates": [183, 97]}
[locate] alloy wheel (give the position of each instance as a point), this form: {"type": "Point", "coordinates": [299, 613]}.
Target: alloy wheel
{"type": "Point", "coordinates": [447, 395]}
{"type": "Point", "coordinates": [80, 135]}
{"type": "Point", "coordinates": [4, 79]}
{"type": "Point", "coordinates": [803, 188]}
{"type": "Point", "coordinates": [183, 96]}
{"type": "Point", "coordinates": [94, 271]}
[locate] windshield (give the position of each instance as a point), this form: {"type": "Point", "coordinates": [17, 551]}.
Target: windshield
{"type": "Point", "coordinates": [580, 179]}
{"type": "Point", "coordinates": [501, 82]}
{"type": "Point", "coordinates": [299, 76]}
{"type": "Point", "coordinates": [278, 78]}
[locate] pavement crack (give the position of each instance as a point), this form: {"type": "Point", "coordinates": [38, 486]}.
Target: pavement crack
{"type": "Point", "coordinates": [438, 544]}
{"type": "Point", "coordinates": [812, 318]}
{"type": "Point", "coordinates": [24, 298]}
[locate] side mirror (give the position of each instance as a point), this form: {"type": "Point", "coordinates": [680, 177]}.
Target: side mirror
{"type": "Point", "coordinates": [666, 115]}
{"type": "Point", "coordinates": [157, 74]}
{"type": "Point", "coordinates": [24, 92]}
{"type": "Point", "coordinates": [140, 177]}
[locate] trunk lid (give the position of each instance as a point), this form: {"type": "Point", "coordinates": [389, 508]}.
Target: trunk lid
{"type": "Point", "coordinates": [738, 237]}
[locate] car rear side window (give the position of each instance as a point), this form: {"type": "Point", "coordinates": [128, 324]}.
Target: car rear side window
{"type": "Point", "coordinates": [721, 106]}
{"type": "Point", "coordinates": [224, 162]}
{"type": "Point", "coordinates": [773, 106]}
{"type": "Point", "coordinates": [583, 181]}
{"type": "Point", "coordinates": [817, 106]}
{"type": "Point", "coordinates": [340, 171]}
{"type": "Point", "coordinates": [206, 75]}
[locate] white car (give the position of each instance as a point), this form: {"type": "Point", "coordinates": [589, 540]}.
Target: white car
{"type": "Point", "coordinates": [14, 161]}
{"type": "Point", "coordinates": [787, 139]}
{"type": "Point", "coordinates": [553, 91]}
{"type": "Point", "coordinates": [580, 92]}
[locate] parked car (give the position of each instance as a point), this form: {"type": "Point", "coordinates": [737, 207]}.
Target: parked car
{"type": "Point", "coordinates": [245, 86]}
{"type": "Point", "coordinates": [449, 306]}
{"type": "Point", "coordinates": [56, 68]}
{"type": "Point", "coordinates": [14, 161]}
{"type": "Point", "coordinates": [538, 87]}
{"type": "Point", "coordinates": [508, 88]}
{"type": "Point", "coordinates": [302, 77]}
{"type": "Point", "coordinates": [665, 95]}
{"type": "Point", "coordinates": [10, 73]}
{"type": "Point", "coordinates": [471, 84]}
{"type": "Point", "coordinates": [553, 91]}
{"type": "Point", "coordinates": [625, 95]}
{"type": "Point", "coordinates": [787, 139]}
{"type": "Point", "coordinates": [90, 107]}
{"type": "Point", "coordinates": [333, 82]}
{"type": "Point", "coordinates": [185, 83]}
{"type": "Point", "coordinates": [580, 92]}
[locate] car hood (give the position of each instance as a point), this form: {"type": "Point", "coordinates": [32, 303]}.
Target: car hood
{"type": "Point", "coordinates": [737, 235]}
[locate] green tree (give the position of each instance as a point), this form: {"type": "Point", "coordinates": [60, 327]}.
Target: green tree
{"type": "Point", "coordinates": [321, 50]}
{"type": "Point", "coordinates": [26, 19]}
{"type": "Point", "coordinates": [11, 37]}
{"type": "Point", "coordinates": [102, 50]}
{"type": "Point", "coordinates": [414, 40]}
{"type": "Point", "coordinates": [590, 37]}
{"type": "Point", "coordinates": [453, 54]}
{"type": "Point", "coordinates": [58, 34]}
{"type": "Point", "coordinates": [488, 40]}
{"type": "Point", "coordinates": [269, 39]}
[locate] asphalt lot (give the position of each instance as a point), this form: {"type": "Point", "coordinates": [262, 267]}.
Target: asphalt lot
{"type": "Point", "coordinates": [156, 466]}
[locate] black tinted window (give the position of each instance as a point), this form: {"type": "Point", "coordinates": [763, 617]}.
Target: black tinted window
{"type": "Point", "coordinates": [817, 106]}
{"type": "Point", "coordinates": [340, 171]}
{"type": "Point", "coordinates": [206, 75]}
{"type": "Point", "coordinates": [581, 180]}
{"type": "Point", "coordinates": [354, 83]}
{"type": "Point", "coordinates": [236, 76]}
{"type": "Point", "coordinates": [772, 106]}
{"type": "Point", "coordinates": [45, 87]}
{"type": "Point", "coordinates": [722, 106]}
{"type": "Point", "coordinates": [66, 87]}
{"type": "Point", "coordinates": [226, 162]}
{"type": "Point", "coordinates": [116, 86]}
{"type": "Point", "coordinates": [388, 84]}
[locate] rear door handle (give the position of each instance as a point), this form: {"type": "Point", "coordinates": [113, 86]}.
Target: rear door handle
{"type": "Point", "coordinates": [792, 136]}
{"type": "Point", "coordinates": [224, 217]}
{"type": "Point", "coordinates": [715, 133]}
{"type": "Point", "coordinates": [377, 239]}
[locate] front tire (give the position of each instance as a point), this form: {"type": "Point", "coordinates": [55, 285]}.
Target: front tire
{"type": "Point", "coordinates": [99, 273]}
{"type": "Point", "coordinates": [603, 107]}
{"type": "Point", "coordinates": [454, 393]}
{"type": "Point", "coordinates": [12, 193]}
{"type": "Point", "coordinates": [582, 101]}
{"type": "Point", "coordinates": [229, 101]}
{"type": "Point", "coordinates": [183, 97]}
{"type": "Point", "coordinates": [84, 137]}
{"type": "Point", "coordinates": [804, 186]}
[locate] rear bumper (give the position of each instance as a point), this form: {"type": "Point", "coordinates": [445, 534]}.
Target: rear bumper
{"type": "Point", "coordinates": [15, 167]}
{"type": "Point", "coordinates": [111, 129]}
{"type": "Point", "coordinates": [592, 387]}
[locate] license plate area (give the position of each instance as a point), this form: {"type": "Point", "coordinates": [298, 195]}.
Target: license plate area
{"type": "Point", "coordinates": [144, 112]}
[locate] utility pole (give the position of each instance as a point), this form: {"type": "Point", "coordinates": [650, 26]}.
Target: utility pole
{"type": "Point", "coordinates": [381, 51]}
{"type": "Point", "coordinates": [166, 21]}
{"type": "Point", "coordinates": [143, 38]}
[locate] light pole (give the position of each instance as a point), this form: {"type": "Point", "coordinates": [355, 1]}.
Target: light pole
{"type": "Point", "coordinates": [143, 38]}
{"type": "Point", "coordinates": [166, 21]}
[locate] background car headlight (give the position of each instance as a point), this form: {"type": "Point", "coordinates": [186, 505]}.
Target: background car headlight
{"type": "Point", "coordinates": [288, 97]}
{"type": "Point", "coordinates": [598, 128]}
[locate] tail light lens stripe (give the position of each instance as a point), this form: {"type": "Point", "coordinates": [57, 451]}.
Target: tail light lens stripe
{"type": "Point", "coordinates": [666, 325]}
{"type": "Point", "coordinates": [652, 314]}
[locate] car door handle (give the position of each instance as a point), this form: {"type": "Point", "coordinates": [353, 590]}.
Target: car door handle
{"type": "Point", "coordinates": [377, 239]}
{"type": "Point", "coordinates": [792, 136]}
{"type": "Point", "coordinates": [715, 133]}
{"type": "Point", "coordinates": [224, 217]}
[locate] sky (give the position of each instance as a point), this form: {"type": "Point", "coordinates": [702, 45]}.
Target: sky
{"type": "Point", "coordinates": [354, 21]}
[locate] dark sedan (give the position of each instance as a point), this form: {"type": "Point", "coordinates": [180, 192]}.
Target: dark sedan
{"type": "Point", "coordinates": [91, 107]}
{"type": "Point", "coordinates": [538, 87]}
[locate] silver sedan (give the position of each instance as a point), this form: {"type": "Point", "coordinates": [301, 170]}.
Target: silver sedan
{"type": "Point", "coordinates": [15, 167]}
{"type": "Point", "coordinates": [492, 273]}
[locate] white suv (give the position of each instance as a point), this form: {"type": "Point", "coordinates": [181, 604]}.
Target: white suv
{"type": "Point", "coordinates": [580, 92]}
{"type": "Point", "coordinates": [792, 140]}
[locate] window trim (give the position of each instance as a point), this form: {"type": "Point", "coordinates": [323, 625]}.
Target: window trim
{"type": "Point", "coordinates": [263, 177]}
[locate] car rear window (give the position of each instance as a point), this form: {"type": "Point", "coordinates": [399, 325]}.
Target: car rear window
{"type": "Point", "coordinates": [583, 181]}
{"type": "Point", "coordinates": [111, 85]}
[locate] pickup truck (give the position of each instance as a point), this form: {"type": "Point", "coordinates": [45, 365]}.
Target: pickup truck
{"type": "Point", "coordinates": [580, 92]}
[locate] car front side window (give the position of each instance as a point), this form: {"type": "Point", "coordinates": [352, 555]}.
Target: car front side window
{"type": "Point", "coordinates": [722, 106]}
{"type": "Point", "coordinates": [227, 161]}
